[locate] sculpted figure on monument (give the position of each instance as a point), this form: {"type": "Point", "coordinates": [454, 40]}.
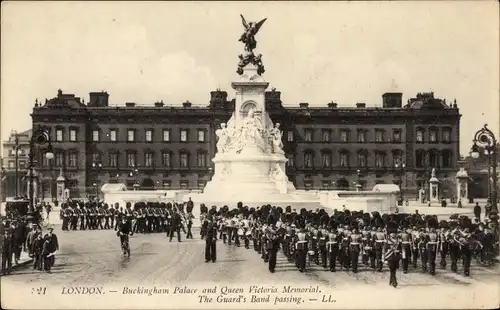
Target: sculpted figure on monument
{"type": "Point", "coordinates": [276, 135]}
{"type": "Point", "coordinates": [223, 137]}
{"type": "Point", "coordinates": [248, 38]}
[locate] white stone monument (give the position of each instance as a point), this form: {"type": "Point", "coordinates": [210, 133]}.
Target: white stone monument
{"type": "Point", "coordinates": [60, 184]}
{"type": "Point", "coordinates": [462, 185]}
{"type": "Point", "coordinates": [433, 187]}
{"type": "Point", "coordinates": [249, 165]}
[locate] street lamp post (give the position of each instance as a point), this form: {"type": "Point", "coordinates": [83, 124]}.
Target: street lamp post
{"type": "Point", "coordinates": [97, 166]}
{"type": "Point", "coordinates": [358, 183]}
{"type": "Point", "coordinates": [401, 166]}
{"type": "Point", "coordinates": [17, 152]}
{"type": "Point", "coordinates": [40, 137]}
{"type": "Point", "coordinates": [134, 173]}
{"type": "Point", "coordinates": [486, 139]}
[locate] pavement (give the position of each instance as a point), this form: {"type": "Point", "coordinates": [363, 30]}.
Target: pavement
{"type": "Point", "coordinates": [87, 257]}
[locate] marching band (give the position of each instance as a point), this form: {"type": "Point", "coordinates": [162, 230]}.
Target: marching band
{"type": "Point", "coordinates": [346, 238]}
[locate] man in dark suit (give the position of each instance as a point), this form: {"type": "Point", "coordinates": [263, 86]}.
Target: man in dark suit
{"type": "Point", "coordinates": [50, 246]}
{"type": "Point", "coordinates": [210, 240]}
{"type": "Point", "coordinates": [37, 251]}
{"type": "Point", "coordinates": [175, 225]}
{"type": "Point", "coordinates": [7, 251]}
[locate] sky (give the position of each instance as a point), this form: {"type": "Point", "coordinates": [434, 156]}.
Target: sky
{"type": "Point", "coordinates": [314, 52]}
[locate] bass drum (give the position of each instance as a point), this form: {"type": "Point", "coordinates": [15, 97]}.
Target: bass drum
{"type": "Point", "coordinates": [240, 232]}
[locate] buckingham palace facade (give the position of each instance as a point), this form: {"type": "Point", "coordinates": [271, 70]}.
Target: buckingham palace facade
{"type": "Point", "coordinates": [171, 147]}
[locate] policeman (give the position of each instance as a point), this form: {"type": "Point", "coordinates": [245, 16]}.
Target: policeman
{"type": "Point", "coordinates": [210, 239]}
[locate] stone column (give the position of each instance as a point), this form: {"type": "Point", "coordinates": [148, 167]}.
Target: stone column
{"type": "Point", "coordinates": [462, 185]}
{"type": "Point", "coordinates": [60, 184]}
{"type": "Point", "coordinates": [433, 187]}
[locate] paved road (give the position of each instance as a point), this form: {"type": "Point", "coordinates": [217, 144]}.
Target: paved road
{"type": "Point", "coordinates": [95, 257]}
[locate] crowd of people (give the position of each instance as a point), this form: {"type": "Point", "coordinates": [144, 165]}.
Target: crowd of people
{"type": "Point", "coordinates": [20, 235]}
{"type": "Point", "coordinates": [346, 239]}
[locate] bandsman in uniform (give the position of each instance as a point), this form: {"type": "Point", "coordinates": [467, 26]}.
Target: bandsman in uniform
{"type": "Point", "coordinates": [443, 242]}
{"type": "Point", "coordinates": [415, 240]}
{"type": "Point", "coordinates": [333, 245]}
{"type": "Point", "coordinates": [272, 244]}
{"type": "Point", "coordinates": [465, 240]}
{"type": "Point", "coordinates": [422, 248]}
{"type": "Point", "coordinates": [107, 216]}
{"type": "Point", "coordinates": [366, 253]}
{"type": "Point", "coordinates": [378, 246]}
{"type": "Point", "coordinates": [301, 241]}
{"type": "Point", "coordinates": [453, 244]}
{"type": "Point", "coordinates": [345, 257]}
{"type": "Point", "coordinates": [432, 240]}
{"type": "Point", "coordinates": [74, 216]}
{"type": "Point", "coordinates": [189, 219]}
{"type": "Point", "coordinates": [392, 249]}
{"type": "Point", "coordinates": [355, 242]}
{"type": "Point", "coordinates": [405, 237]}
{"type": "Point", "coordinates": [323, 238]}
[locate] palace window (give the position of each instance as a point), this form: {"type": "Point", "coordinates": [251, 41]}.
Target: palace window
{"type": "Point", "coordinates": [58, 156]}
{"type": "Point", "coordinates": [326, 159]}
{"type": "Point", "coordinates": [130, 135]}
{"type": "Point", "coordinates": [184, 135]}
{"type": "Point", "coordinates": [397, 158]}
{"type": "Point", "coordinates": [344, 136]}
{"type": "Point", "coordinates": [290, 162]}
{"type": "Point", "coordinates": [59, 135]}
{"type": "Point", "coordinates": [166, 159]}
{"type": "Point", "coordinates": [72, 159]}
{"type": "Point", "coordinates": [289, 136]}
{"type": "Point", "coordinates": [308, 160]}
{"type": "Point", "coordinates": [201, 135]}
{"type": "Point", "coordinates": [96, 157]}
{"type": "Point", "coordinates": [308, 134]}
{"type": "Point", "coordinates": [95, 135]}
{"type": "Point", "coordinates": [325, 136]}
{"type": "Point", "coordinates": [148, 159]}
{"type": "Point", "coordinates": [361, 136]}
{"type": "Point", "coordinates": [112, 135]}
{"type": "Point", "coordinates": [167, 183]}
{"type": "Point", "coordinates": [446, 155]}
{"type": "Point", "coordinates": [446, 135]}
{"type": "Point", "coordinates": [396, 136]}
{"type": "Point", "coordinates": [434, 158]}
{"type": "Point", "coordinates": [149, 135]}
{"type": "Point", "coordinates": [379, 160]}
{"type": "Point", "coordinates": [379, 135]}
{"type": "Point", "coordinates": [201, 159]}
{"type": "Point", "coordinates": [72, 135]}
{"type": "Point", "coordinates": [420, 136]}
{"type": "Point", "coordinates": [201, 183]}
{"type": "Point", "coordinates": [433, 133]}
{"type": "Point", "coordinates": [166, 135]}
{"type": "Point", "coordinates": [362, 159]}
{"type": "Point", "coordinates": [131, 159]}
{"type": "Point", "coordinates": [184, 184]}
{"type": "Point", "coordinates": [420, 158]}
{"type": "Point", "coordinates": [183, 160]}
{"type": "Point", "coordinates": [344, 159]}
{"type": "Point", "coordinates": [113, 160]}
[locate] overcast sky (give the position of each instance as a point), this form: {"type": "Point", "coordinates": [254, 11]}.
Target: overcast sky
{"type": "Point", "coordinates": [313, 52]}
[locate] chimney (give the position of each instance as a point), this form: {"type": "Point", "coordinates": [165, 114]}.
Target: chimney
{"type": "Point", "coordinates": [392, 100]}
{"type": "Point", "coordinates": [332, 105]}
{"type": "Point", "coordinates": [360, 105]}
{"type": "Point", "coordinates": [304, 105]}
{"type": "Point", "coordinates": [98, 99]}
{"type": "Point", "coordinates": [186, 104]}
{"type": "Point", "coordinates": [159, 104]}
{"type": "Point", "coordinates": [218, 99]}
{"type": "Point", "coordinates": [130, 104]}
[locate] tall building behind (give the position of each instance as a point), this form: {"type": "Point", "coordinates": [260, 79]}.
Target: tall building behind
{"type": "Point", "coordinates": [9, 164]}
{"type": "Point", "coordinates": [328, 147]}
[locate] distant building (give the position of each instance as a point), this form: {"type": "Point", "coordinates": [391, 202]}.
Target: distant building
{"type": "Point", "coordinates": [172, 147]}
{"type": "Point", "coordinates": [9, 164]}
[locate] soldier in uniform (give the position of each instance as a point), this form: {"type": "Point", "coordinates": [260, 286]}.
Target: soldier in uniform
{"type": "Point", "coordinates": [432, 240]}
{"type": "Point", "coordinates": [107, 215]}
{"type": "Point", "coordinates": [443, 242]}
{"type": "Point", "coordinates": [415, 240]}
{"type": "Point", "coordinates": [67, 212]}
{"type": "Point", "coordinates": [453, 244]}
{"type": "Point", "coordinates": [345, 257]}
{"type": "Point", "coordinates": [210, 239]}
{"type": "Point", "coordinates": [465, 240]}
{"type": "Point", "coordinates": [392, 249]}
{"type": "Point", "coordinates": [378, 246]}
{"type": "Point", "coordinates": [355, 242]}
{"type": "Point", "coordinates": [405, 237]}
{"type": "Point", "coordinates": [301, 240]}
{"type": "Point", "coordinates": [189, 219]}
{"type": "Point", "coordinates": [83, 213]}
{"type": "Point", "coordinates": [366, 246]}
{"type": "Point", "coordinates": [323, 237]}
{"type": "Point", "coordinates": [332, 245]}
{"type": "Point", "coordinates": [272, 240]}
{"type": "Point", "coordinates": [75, 216]}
